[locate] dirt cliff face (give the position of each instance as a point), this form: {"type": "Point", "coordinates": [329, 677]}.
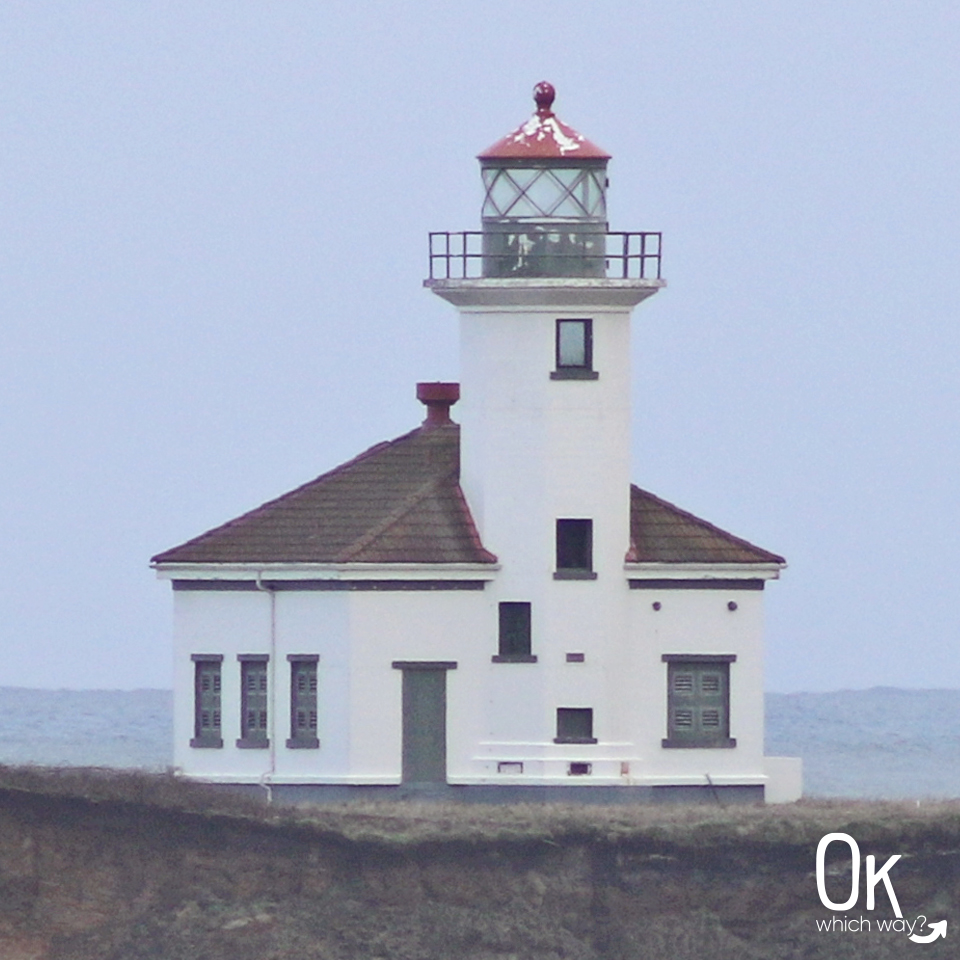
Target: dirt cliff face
{"type": "Point", "coordinates": [89, 879]}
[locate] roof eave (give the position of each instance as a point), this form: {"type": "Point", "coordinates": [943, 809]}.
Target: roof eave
{"type": "Point", "coordinates": [325, 571]}
{"type": "Point", "coordinates": [662, 570]}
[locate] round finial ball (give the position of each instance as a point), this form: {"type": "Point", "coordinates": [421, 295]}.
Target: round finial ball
{"type": "Point", "coordinates": [543, 95]}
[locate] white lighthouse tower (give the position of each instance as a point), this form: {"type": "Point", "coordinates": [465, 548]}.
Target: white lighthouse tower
{"type": "Point", "coordinates": [545, 296]}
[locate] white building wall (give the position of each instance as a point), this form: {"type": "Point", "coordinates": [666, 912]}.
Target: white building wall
{"type": "Point", "coordinates": [496, 712]}
{"type": "Point", "coordinates": [435, 625]}
{"type": "Point", "coordinates": [224, 623]}
{"type": "Point", "coordinates": [698, 622]}
{"type": "Point", "coordinates": [357, 636]}
{"type": "Point", "coordinates": [314, 622]}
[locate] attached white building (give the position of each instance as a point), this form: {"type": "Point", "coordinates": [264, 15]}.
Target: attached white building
{"type": "Point", "coordinates": [489, 609]}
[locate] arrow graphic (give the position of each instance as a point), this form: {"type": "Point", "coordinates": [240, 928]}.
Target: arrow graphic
{"type": "Point", "coordinates": [939, 929]}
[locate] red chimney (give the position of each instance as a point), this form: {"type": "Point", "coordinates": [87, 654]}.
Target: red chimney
{"type": "Point", "coordinates": [438, 399]}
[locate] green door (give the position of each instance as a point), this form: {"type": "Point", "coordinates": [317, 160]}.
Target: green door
{"type": "Point", "coordinates": [424, 725]}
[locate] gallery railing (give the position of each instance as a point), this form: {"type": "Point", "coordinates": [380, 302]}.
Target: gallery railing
{"type": "Point", "coordinates": [530, 251]}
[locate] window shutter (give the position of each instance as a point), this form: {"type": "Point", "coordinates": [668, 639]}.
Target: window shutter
{"type": "Point", "coordinates": [253, 714]}
{"type": "Point", "coordinates": [207, 732]}
{"type": "Point", "coordinates": [303, 702]}
{"type": "Point", "coordinates": [698, 704]}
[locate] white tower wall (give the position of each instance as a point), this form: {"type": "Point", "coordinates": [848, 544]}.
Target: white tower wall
{"type": "Point", "coordinates": [535, 449]}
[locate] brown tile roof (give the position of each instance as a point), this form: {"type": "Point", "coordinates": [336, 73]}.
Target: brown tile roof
{"type": "Point", "coordinates": [663, 533]}
{"type": "Point", "coordinates": [399, 502]}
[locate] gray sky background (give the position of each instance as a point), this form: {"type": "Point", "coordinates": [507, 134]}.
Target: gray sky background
{"type": "Point", "coordinates": [213, 221]}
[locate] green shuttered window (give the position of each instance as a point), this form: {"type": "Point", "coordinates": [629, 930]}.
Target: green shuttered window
{"type": "Point", "coordinates": [207, 682]}
{"type": "Point", "coordinates": [303, 702]}
{"type": "Point", "coordinates": [253, 702]}
{"type": "Point", "coordinates": [698, 702]}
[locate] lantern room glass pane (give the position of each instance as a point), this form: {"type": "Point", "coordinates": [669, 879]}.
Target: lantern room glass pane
{"type": "Point", "coordinates": [544, 192]}
{"type": "Point", "coordinates": [523, 206]}
{"type": "Point", "coordinates": [501, 192]}
{"type": "Point", "coordinates": [567, 193]}
{"type": "Point", "coordinates": [523, 177]}
{"type": "Point", "coordinates": [567, 177]}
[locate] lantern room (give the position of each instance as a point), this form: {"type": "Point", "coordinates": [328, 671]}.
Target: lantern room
{"type": "Point", "coordinates": [544, 208]}
{"type": "Point", "coordinates": [544, 212]}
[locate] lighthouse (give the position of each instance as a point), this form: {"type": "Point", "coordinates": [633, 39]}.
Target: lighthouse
{"type": "Point", "coordinates": [545, 411]}
{"type": "Point", "coordinates": [485, 607]}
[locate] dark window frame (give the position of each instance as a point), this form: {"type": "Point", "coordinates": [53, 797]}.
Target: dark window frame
{"type": "Point", "coordinates": [304, 691]}
{"type": "Point", "coordinates": [574, 725]}
{"type": "Point", "coordinates": [569, 551]}
{"type": "Point", "coordinates": [207, 701]}
{"type": "Point", "coordinates": [514, 632]}
{"type": "Point", "coordinates": [698, 701]}
{"type": "Point", "coordinates": [574, 371]}
{"type": "Point", "coordinates": [254, 701]}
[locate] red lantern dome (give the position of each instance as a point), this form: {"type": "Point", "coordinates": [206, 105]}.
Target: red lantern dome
{"type": "Point", "coordinates": [544, 136]}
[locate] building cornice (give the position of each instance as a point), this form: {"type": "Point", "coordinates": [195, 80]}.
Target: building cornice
{"type": "Point", "coordinates": [326, 571]}
{"type": "Point", "coordinates": [544, 291]}
{"type": "Point", "coordinates": [703, 571]}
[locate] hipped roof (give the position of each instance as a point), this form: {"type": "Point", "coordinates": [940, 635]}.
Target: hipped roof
{"type": "Point", "coordinates": [663, 533]}
{"type": "Point", "coordinates": [544, 137]}
{"type": "Point", "coordinates": [398, 502]}
{"type": "Point", "coordinates": [401, 502]}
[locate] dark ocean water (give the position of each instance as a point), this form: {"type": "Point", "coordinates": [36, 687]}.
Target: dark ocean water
{"type": "Point", "coordinates": [879, 743]}
{"type": "Point", "coordinates": [87, 728]}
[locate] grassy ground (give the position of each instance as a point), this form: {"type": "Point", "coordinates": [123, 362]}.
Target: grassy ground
{"type": "Point", "coordinates": [903, 825]}
{"type": "Point", "coordinates": [106, 865]}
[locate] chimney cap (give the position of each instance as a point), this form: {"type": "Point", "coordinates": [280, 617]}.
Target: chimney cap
{"type": "Point", "coordinates": [438, 398]}
{"type": "Point", "coordinates": [437, 392]}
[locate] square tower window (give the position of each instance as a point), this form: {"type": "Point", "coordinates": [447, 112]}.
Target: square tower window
{"type": "Point", "coordinates": [206, 722]}
{"type": "Point", "coordinates": [303, 702]}
{"type": "Point", "coordinates": [574, 351]}
{"type": "Point", "coordinates": [698, 701]}
{"type": "Point", "coordinates": [514, 633]}
{"type": "Point", "coordinates": [253, 701]}
{"type": "Point", "coordinates": [575, 725]}
{"type": "Point", "coordinates": [574, 550]}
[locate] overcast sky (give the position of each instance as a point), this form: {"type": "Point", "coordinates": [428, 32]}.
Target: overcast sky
{"type": "Point", "coordinates": [213, 221]}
